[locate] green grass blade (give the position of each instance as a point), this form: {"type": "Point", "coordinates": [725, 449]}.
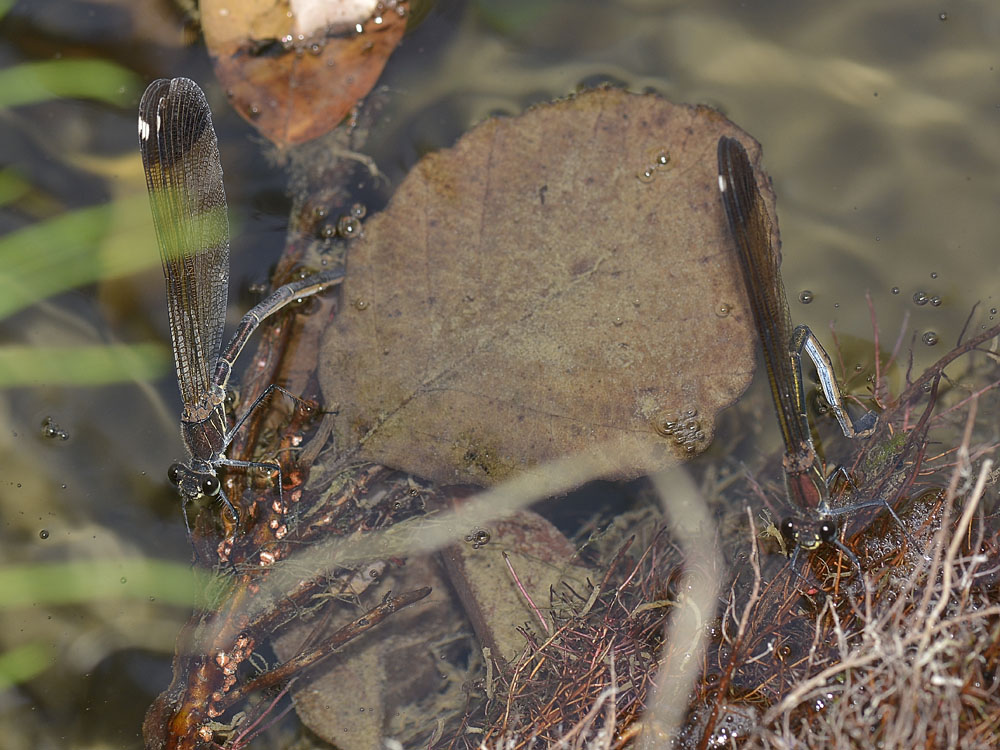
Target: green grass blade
{"type": "Point", "coordinates": [85, 582]}
{"type": "Point", "coordinates": [99, 80]}
{"type": "Point", "coordinates": [82, 365]}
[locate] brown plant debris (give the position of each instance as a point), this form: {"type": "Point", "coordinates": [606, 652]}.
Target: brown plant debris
{"type": "Point", "coordinates": [586, 682]}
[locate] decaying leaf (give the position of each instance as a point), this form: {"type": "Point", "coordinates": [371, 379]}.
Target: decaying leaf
{"type": "Point", "coordinates": [294, 70]}
{"type": "Point", "coordinates": [524, 545]}
{"type": "Point", "coordinates": [552, 282]}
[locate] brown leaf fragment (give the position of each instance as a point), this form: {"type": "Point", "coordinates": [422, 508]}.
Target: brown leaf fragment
{"type": "Point", "coordinates": [524, 545]}
{"type": "Point", "coordinates": [554, 281]}
{"type": "Point", "coordinates": [295, 77]}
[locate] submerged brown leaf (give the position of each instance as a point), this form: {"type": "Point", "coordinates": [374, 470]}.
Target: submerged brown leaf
{"type": "Point", "coordinates": [553, 281]}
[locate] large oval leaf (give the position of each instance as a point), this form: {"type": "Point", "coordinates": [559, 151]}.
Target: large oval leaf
{"type": "Point", "coordinates": [554, 281]}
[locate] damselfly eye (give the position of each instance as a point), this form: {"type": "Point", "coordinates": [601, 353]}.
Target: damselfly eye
{"type": "Point", "coordinates": [174, 473]}
{"type": "Point", "coordinates": [210, 486]}
{"type": "Point", "coordinates": [827, 531]}
{"type": "Point", "coordinates": [788, 529]}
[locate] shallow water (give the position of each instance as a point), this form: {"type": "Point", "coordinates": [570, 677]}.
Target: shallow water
{"type": "Point", "coordinates": [879, 127]}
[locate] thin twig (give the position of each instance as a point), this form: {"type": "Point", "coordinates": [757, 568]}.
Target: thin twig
{"type": "Point", "coordinates": [525, 594]}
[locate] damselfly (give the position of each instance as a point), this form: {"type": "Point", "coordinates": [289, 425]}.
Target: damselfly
{"type": "Point", "coordinates": [180, 156]}
{"type": "Point", "coordinates": [805, 478]}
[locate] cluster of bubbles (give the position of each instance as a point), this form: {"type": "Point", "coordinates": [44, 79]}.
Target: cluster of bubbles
{"type": "Point", "coordinates": [478, 538]}
{"type": "Point", "coordinates": [660, 160]}
{"type": "Point", "coordinates": [347, 226]}
{"type": "Point", "coordinates": [53, 431]}
{"type": "Point", "coordinates": [685, 431]}
{"type": "Point", "coordinates": [921, 298]}
{"type": "Point", "coordinates": [734, 724]}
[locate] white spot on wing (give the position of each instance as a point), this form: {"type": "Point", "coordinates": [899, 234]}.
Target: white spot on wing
{"type": "Point", "coordinates": [722, 184]}
{"type": "Point", "coordinates": [143, 130]}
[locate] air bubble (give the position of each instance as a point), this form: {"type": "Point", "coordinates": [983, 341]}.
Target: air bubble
{"type": "Point", "coordinates": [43, 534]}
{"type": "Point", "coordinates": [935, 301]}
{"type": "Point", "coordinates": [805, 296]}
{"type": "Point", "coordinates": [723, 310]}
{"type": "Point", "coordinates": [930, 338]}
{"type": "Point", "coordinates": [665, 426]}
{"type": "Point", "coordinates": [920, 298]}
{"type": "Point", "coordinates": [646, 175]}
{"type": "Point", "coordinates": [895, 290]}
{"type": "Point", "coordinates": [348, 226]}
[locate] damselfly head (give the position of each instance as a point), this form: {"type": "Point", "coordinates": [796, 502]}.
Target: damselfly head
{"type": "Point", "coordinates": [192, 484]}
{"type": "Point", "coordinates": [197, 481]}
{"type": "Point", "coordinates": [808, 535]}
